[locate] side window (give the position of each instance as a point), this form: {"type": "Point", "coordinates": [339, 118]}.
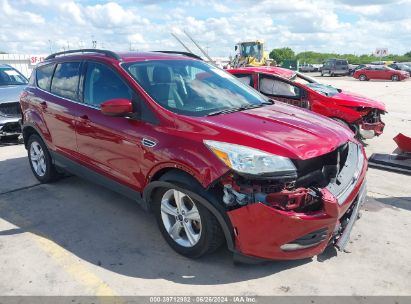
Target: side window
{"type": "Point", "coordinates": [272, 86]}
{"type": "Point", "coordinates": [43, 75]}
{"type": "Point", "coordinates": [102, 84]}
{"type": "Point", "coordinates": [65, 80]}
{"type": "Point", "coordinates": [245, 78]}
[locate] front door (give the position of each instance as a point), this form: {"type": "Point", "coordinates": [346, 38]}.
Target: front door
{"type": "Point", "coordinates": [282, 90]}
{"type": "Point", "coordinates": [109, 145]}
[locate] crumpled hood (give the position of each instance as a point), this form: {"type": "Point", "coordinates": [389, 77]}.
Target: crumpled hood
{"type": "Point", "coordinates": [349, 99]}
{"type": "Point", "coordinates": [11, 93]}
{"type": "Point", "coordinates": [280, 129]}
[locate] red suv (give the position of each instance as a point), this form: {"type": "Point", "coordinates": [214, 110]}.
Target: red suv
{"type": "Point", "coordinates": [212, 158]}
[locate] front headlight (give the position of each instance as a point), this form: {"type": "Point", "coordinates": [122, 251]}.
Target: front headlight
{"type": "Point", "coordinates": [251, 161]}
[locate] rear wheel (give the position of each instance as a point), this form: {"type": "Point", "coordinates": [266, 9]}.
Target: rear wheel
{"type": "Point", "coordinates": [187, 226]}
{"type": "Point", "coordinates": [395, 78]}
{"type": "Point", "coordinates": [40, 160]}
{"type": "Point", "coordinates": [362, 77]}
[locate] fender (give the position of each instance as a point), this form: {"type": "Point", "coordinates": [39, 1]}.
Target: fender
{"type": "Point", "coordinates": [333, 110]}
{"type": "Point", "coordinates": [34, 120]}
{"type": "Point", "coordinates": [184, 182]}
{"type": "Point", "coordinates": [25, 126]}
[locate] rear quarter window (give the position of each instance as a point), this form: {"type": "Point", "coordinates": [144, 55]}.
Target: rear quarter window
{"type": "Point", "coordinates": [66, 80]}
{"type": "Point", "coordinates": [43, 76]}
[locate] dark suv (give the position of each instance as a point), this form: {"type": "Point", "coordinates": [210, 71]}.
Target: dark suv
{"type": "Point", "coordinates": [335, 67]}
{"type": "Point", "coordinates": [212, 158]}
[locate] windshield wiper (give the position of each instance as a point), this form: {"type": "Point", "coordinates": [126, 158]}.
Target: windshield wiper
{"type": "Point", "coordinates": [237, 109]}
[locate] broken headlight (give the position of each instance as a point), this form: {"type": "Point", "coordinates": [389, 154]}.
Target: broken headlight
{"type": "Point", "coordinates": [251, 161]}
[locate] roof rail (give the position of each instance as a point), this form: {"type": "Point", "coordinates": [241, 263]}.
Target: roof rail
{"type": "Point", "coordinates": [181, 53]}
{"type": "Point", "coordinates": [104, 52]}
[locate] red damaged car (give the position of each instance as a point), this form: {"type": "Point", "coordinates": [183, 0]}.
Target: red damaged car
{"type": "Point", "coordinates": [361, 114]}
{"type": "Point", "coordinates": [213, 159]}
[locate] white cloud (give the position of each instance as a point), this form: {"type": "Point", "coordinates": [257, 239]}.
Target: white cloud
{"type": "Point", "coordinates": [321, 25]}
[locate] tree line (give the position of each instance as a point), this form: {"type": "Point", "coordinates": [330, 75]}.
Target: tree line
{"type": "Point", "coordinates": [286, 53]}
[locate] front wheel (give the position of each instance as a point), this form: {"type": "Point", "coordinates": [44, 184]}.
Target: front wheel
{"type": "Point", "coordinates": [187, 226]}
{"type": "Point", "coordinates": [395, 78]}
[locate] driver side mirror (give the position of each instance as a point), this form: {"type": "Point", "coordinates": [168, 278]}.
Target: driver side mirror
{"type": "Point", "coordinates": [235, 48]}
{"type": "Point", "coordinates": [118, 107]}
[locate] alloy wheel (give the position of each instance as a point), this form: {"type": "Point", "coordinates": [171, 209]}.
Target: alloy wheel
{"type": "Point", "coordinates": [181, 218]}
{"type": "Point", "coordinates": [37, 159]}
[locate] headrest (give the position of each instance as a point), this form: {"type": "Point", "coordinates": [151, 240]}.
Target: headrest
{"type": "Point", "coordinates": [161, 74]}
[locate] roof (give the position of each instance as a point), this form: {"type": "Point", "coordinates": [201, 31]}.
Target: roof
{"type": "Point", "coordinates": [271, 70]}
{"type": "Point", "coordinates": [123, 56]}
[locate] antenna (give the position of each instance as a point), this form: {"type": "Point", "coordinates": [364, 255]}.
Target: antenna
{"type": "Point", "coordinates": [178, 39]}
{"type": "Point", "coordinates": [199, 47]}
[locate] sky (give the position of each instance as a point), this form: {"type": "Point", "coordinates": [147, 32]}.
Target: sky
{"type": "Point", "coordinates": [343, 26]}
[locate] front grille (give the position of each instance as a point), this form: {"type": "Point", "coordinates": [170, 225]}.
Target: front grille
{"type": "Point", "coordinates": [346, 180]}
{"type": "Point", "coordinates": [319, 170]}
{"type": "Point", "coordinates": [11, 127]}
{"type": "Point", "coordinates": [10, 109]}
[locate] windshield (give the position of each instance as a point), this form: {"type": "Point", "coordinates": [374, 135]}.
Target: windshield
{"type": "Point", "coordinates": [313, 84]}
{"type": "Point", "coordinates": [323, 89]}
{"type": "Point", "coordinates": [9, 76]}
{"type": "Point", "coordinates": [251, 49]}
{"type": "Point", "coordinates": [304, 79]}
{"type": "Point", "coordinates": [191, 87]}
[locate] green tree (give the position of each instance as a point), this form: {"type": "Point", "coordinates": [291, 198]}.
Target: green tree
{"type": "Point", "coordinates": [281, 54]}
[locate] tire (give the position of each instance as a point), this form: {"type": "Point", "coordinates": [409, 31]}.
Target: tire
{"type": "Point", "coordinates": [322, 74]}
{"type": "Point", "coordinates": [395, 78]}
{"type": "Point", "coordinates": [40, 160]}
{"type": "Point", "coordinates": [175, 219]}
{"type": "Point", "coordinates": [362, 77]}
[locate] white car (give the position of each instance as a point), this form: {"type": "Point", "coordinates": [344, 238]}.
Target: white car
{"type": "Point", "coordinates": [12, 83]}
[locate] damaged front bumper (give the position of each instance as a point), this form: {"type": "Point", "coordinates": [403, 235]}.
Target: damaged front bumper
{"type": "Point", "coordinates": [264, 230]}
{"type": "Point", "coordinates": [9, 126]}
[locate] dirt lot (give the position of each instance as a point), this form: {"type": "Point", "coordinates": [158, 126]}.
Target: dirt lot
{"type": "Point", "coordinates": [76, 238]}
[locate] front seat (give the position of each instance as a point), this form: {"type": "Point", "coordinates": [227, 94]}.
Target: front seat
{"type": "Point", "coordinates": [163, 89]}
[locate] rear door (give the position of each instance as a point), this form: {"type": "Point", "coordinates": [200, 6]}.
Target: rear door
{"type": "Point", "coordinates": [55, 98]}
{"type": "Point", "coordinates": [283, 90]}
{"type": "Point", "coordinates": [381, 72]}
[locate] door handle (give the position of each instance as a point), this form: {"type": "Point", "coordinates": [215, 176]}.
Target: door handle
{"type": "Point", "coordinates": [84, 117]}
{"type": "Point", "coordinates": [43, 104]}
